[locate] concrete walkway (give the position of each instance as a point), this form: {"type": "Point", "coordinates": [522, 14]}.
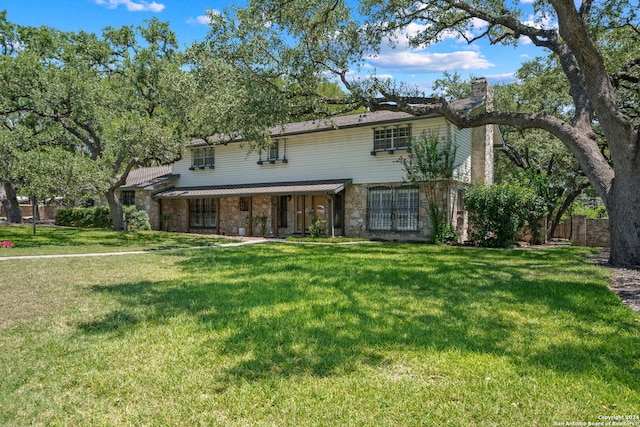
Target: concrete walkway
{"type": "Point", "coordinates": [152, 251]}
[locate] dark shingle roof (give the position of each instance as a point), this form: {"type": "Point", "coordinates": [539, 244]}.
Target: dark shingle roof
{"type": "Point", "coordinates": [148, 177]}
{"type": "Point", "coordinates": [379, 117]}
{"type": "Point", "coordinates": [270, 188]}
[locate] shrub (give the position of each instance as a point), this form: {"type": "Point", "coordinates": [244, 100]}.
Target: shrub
{"type": "Point", "coordinates": [97, 217]}
{"type": "Point", "coordinates": [498, 212]}
{"type": "Point", "coordinates": [595, 212]}
{"type": "Point", "coordinates": [317, 227]}
{"type": "Point", "coordinates": [432, 162]}
{"type": "Point", "coordinates": [136, 219]}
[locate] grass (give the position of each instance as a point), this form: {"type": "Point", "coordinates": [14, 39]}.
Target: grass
{"type": "Point", "coordinates": [316, 335]}
{"type": "Point", "coordinates": [62, 240]}
{"type": "Point", "coordinates": [334, 240]}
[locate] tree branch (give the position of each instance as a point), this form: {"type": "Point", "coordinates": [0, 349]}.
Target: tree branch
{"type": "Point", "coordinates": [122, 179]}
{"type": "Point", "coordinates": [583, 145]}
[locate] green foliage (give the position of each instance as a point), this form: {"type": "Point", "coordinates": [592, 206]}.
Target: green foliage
{"type": "Point", "coordinates": [328, 240]}
{"type": "Point", "coordinates": [498, 212]}
{"type": "Point", "coordinates": [77, 240]}
{"type": "Point", "coordinates": [451, 86]}
{"type": "Point", "coordinates": [549, 197]}
{"type": "Point", "coordinates": [595, 212]}
{"type": "Point", "coordinates": [96, 217]}
{"type": "Point", "coordinates": [136, 219]}
{"type": "Point", "coordinates": [54, 171]}
{"type": "Point", "coordinates": [289, 334]}
{"type": "Point", "coordinates": [261, 221]}
{"type": "Point", "coordinates": [432, 158]}
{"type": "Point", "coordinates": [119, 100]}
{"type": "Point", "coordinates": [444, 233]}
{"type": "Point", "coordinates": [317, 227]}
{"type": "Point", "coordinates": [432, 163]}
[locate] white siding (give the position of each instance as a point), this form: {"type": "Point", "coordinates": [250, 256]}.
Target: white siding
{"type": "Point", "coordinates": [336, 154]}
{"type": "Point", "coordinates": [462, 137]}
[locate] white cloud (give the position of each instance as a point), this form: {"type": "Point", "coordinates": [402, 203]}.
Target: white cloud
{"type": "Point", "coordinates": [424, 62]}
{"type": "Point", "coordinates": [479, 23]}
{"type": "Point", "coordinates": [133, 6]}
{"type": "Point", "coordinates": [541, 22]}
{"type": "Point", "coordinates": [501, 78]}
{"type": "Point", "coordinates": [200, 20]}
{"type": "Point", "coordinates": [203, 19]}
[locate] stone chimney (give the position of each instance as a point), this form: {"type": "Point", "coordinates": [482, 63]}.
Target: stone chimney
{"type": "Point", "coordinates": [482, 137]}
{"type": "Point", "coordinates": [479, 88]}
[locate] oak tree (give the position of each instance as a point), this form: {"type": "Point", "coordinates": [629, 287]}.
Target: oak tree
{"type": "Point", "coordinates": [594, 44]}
{"type": "Point", "coordinates": [116, 97]}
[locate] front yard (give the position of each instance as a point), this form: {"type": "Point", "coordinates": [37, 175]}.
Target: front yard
{"type": "Point", "coordinates": [299, 335]}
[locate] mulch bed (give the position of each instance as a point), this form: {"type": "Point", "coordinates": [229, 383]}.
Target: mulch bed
{"type": "Point", "coordinates": [624, 281]}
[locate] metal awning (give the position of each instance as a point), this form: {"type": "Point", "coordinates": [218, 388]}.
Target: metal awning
{"type": "Point", "coordinates": [246, 190]}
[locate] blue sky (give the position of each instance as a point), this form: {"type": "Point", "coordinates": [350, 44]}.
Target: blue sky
{"type": "Point", "coordinates": [188, 19]}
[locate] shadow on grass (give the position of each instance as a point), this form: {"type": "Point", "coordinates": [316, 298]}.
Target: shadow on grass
{"type": "Point", "coordinates": [281, 310]}
{"type": "Point", "coordinates": [51, 236]}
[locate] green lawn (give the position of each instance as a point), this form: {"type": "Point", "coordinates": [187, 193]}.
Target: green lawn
{"type": "Point", "coordinates": [63, 240]}
{"type": "Point", "coordinates": [315, 335]}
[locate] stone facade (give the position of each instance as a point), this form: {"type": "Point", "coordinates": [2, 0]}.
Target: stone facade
{"type": "Point", "coordinates": [230, 216]}
{"type": "Point", "coordinates": [174, 214]}
{"type": "Point", "coordinates": [144, 201]}
{"type": "Point", "coordinates": [231, 219]}
{"type": "Point", "coordinates": [355, 221]}
{"type": "Point", "coordinates": [482, 138]}
{"type": "Point", "coordinates": [356, 215]}
{"type": "Point", "coordinates": [590, 232]}
{"type": "Point", "coordinates": [326, 173]}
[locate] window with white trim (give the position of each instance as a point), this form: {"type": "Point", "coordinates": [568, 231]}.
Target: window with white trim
{"type": "Point", "coordinates": [391, 138]}
{"type": "Point", "coordinates": [202, 157]}
{"type": "Point", "coordinates": [393, 209]}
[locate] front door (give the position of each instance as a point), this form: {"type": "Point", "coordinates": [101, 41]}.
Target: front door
{"type": "Point", "coordinates": [308, 209]}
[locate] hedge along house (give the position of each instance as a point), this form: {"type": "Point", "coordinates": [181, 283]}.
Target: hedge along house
{"type": "Point", "coordinates": [341, 174]}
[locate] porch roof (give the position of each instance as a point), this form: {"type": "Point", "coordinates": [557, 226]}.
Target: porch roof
{"type": "Point", "coordinates": [264, 189]}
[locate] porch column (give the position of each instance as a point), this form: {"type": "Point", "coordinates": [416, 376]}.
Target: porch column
{"type": "Point", "coordinates": [329, 214]}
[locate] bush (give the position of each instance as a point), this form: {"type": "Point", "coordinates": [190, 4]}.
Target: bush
{"type": "Point", "coordinates": [136, 219]}
{"type": "Point", "coordinates": [595, 212]}
{"type": "Point", "coordinates": [317, 227]}
{"type": "Point", "coordinates": [97, 217]}
{"type": "Point", "coordinates": [498, 212]}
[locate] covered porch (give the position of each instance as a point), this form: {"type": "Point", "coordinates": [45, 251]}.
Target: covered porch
{"type": "Point", "coordinates": [263, 209]}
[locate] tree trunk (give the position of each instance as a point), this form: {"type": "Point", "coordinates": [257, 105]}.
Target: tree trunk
{"type": "Point", "coordinates": [35, 211]}
{"type": "Point", "coordinates": [10, 202]}
{"type": "Point", "coordinates": [623, 206]}
{"type": "Point", "coordinates": [117, 214]}
{"type": "Point", "coordinates": [573, 194]}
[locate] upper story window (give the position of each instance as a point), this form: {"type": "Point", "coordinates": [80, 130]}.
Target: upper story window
{"type": "Point", "coordinates": [391, 138]}
{"type": "Point", "coordinates": [276, 151]}
{"type": "Point", "coordinates": [202, 157]}
{"type": "Point", "coordinates": [273, 150]}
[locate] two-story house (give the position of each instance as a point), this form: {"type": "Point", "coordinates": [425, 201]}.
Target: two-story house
{"type": "Point", "coordinates": [342, 171]}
